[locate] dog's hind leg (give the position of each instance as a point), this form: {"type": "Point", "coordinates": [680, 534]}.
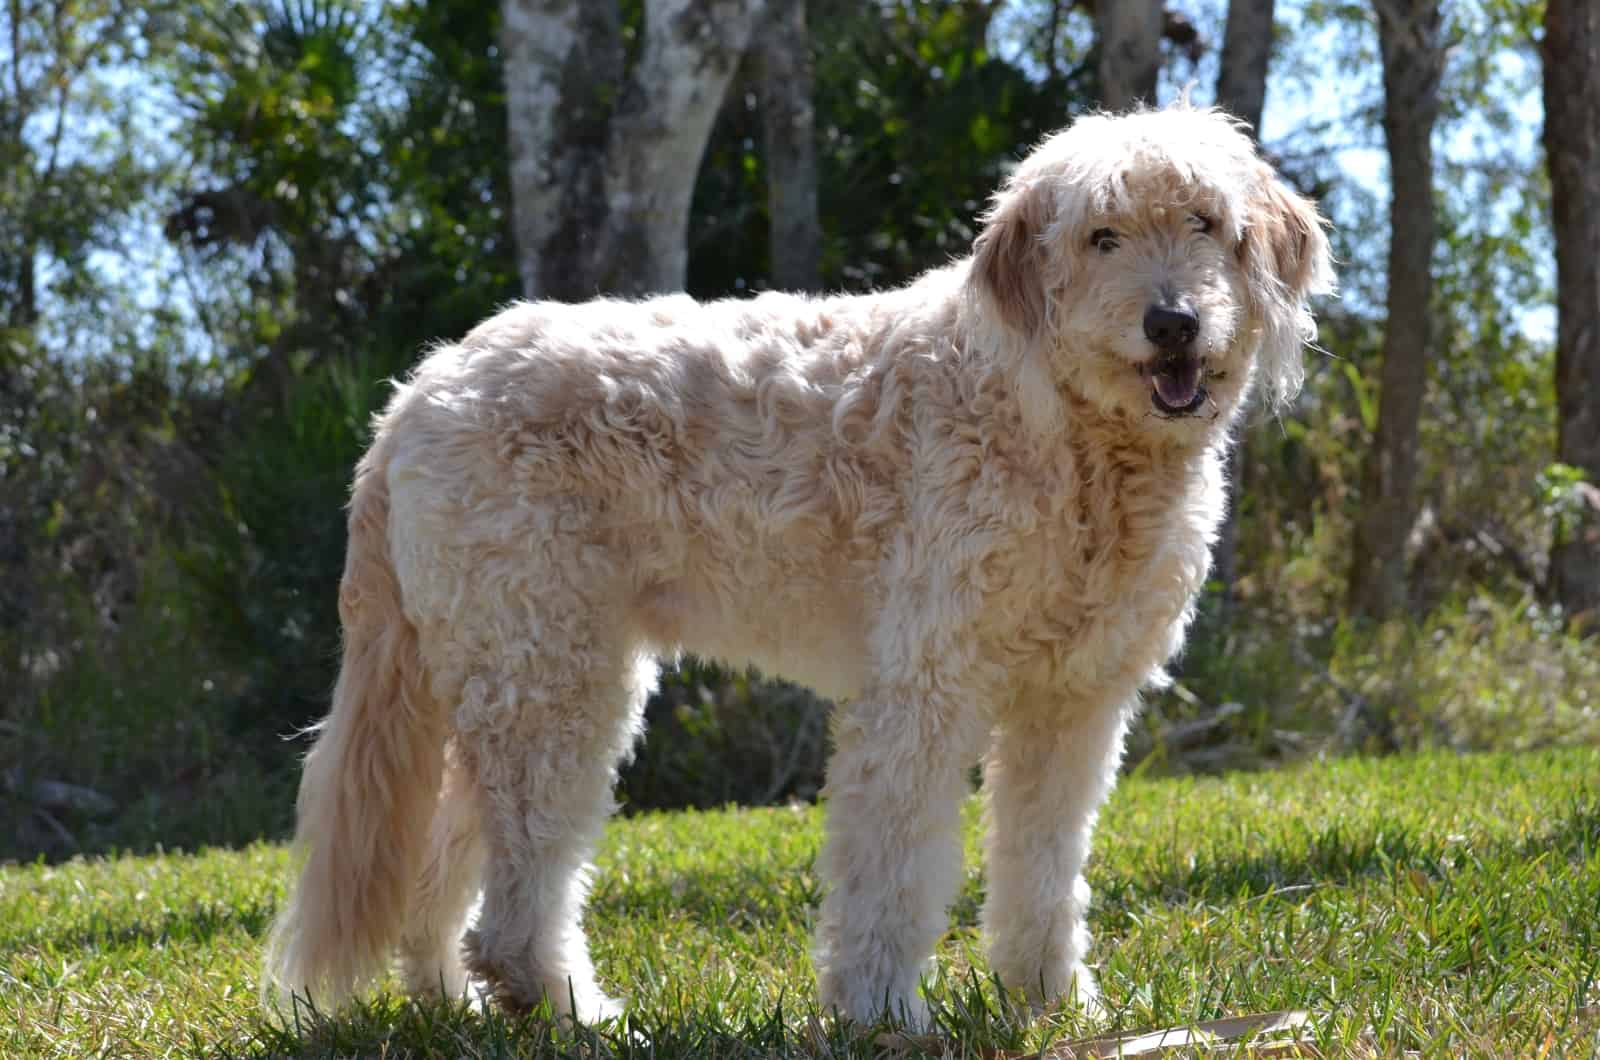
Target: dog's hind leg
{"type": "Point", "coordinates": [430, 949]}
{"type": "Point", "coordinates": [542, 731]}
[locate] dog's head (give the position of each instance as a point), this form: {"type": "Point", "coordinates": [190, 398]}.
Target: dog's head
{"type": "Point", "coordinates": [1154, 265]}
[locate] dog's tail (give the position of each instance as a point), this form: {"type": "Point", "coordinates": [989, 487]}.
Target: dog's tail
{"type": "Point", "coordinates": [370, 782]}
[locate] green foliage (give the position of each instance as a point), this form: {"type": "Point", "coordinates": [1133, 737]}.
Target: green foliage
{"type": "Point", "coordinates": [1438, 903]}
{"type": "Point", "coordinates": [265, 561]}
{"type": "Point", "coordinates": [284, 192]}
{"type": "Point", "coordinates": [190, 512]}
{"type": "Point", "coordinates": [714, 737]}
{"type": "Point", "coordinates": [909, 154]}
{"type": "Point", "coordinates": [61, 195]}
{"type": "Point", "coordinates": [1490, 387]}
{"type": "Point", "coordinates": [453, 259]}
{"type": "Point", "coordinates": [108, 681]}
{"type": "Point", "coordinates": [1562, 497]}
{"type": "Point", "coordinates": [1485, 673]}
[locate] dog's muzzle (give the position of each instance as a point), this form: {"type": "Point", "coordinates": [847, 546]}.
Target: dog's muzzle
{"type": "Point", "coordinates": [1177, 373]}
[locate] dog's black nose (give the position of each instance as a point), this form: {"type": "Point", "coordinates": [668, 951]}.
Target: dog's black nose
{"type": "Point", "coordinates": [1170, 327]}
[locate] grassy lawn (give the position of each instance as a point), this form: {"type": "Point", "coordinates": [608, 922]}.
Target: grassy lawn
{"type": "Point", "coordinates": [1449, 905]}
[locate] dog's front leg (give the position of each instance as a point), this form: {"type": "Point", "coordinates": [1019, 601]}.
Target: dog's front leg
{"type": "Point", "coordinates": [1049, 771]}
{"type": "Point", "coordinates": [893, 854]}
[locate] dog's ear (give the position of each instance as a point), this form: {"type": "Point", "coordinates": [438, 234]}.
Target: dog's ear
{"type": "Point", "coordinates": [1284, 240]}
{"type": "Point", "coordinates": [1285, 255]}
{"type": "Point", "coordinates": [1012, 270]}
{"type": "Point", "coordinates": [1008, 258]}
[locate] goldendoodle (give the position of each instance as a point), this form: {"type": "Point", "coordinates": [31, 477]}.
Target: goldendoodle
{"type": "Point", "coordinates": [974, 511]}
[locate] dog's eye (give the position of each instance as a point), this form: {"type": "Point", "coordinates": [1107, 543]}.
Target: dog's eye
{"type": "Point", "coordinates": [1104, 240]}
{"type": "Point", "coordinates": [1202, 222]}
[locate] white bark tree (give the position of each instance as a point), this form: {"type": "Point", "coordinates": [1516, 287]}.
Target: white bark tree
{"type": "Point", "coordinates": [604, 151]}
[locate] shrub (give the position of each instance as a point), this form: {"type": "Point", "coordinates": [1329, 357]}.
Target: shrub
{"type": "Point", "coordinates": [714, 736]}
{"type": "Point", "coordinates": [1477, 675]}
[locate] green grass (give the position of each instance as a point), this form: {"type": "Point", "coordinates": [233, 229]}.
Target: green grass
{"type": "Point", "coordinates": [1444, 904]}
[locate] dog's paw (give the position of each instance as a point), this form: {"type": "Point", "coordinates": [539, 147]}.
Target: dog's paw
{"type": "Point", "coordinates": [859, 1003]}
{"type": "Point", "coordinates": [905, 1016]}
{"type": "Point", "coordinates": [1073, 988]}
{"type": "Point", "coordinates": [595, 1007]}
{"type": "Point", "coordinates": [913, 1014]}
{"type": "Point", "coordinates": [1083, 993]}
{"type": "Point", "coordinates": [583, 1003]}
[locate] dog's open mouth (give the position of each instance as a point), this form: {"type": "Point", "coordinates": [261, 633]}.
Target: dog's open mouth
{"type": "Point", "coordinates": [1177, 383]}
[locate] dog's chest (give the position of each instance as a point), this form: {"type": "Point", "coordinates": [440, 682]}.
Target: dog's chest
{"type": "Point", "coordinates": [1102, 586]}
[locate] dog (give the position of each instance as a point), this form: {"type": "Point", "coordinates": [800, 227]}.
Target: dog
{"type": "Point", "coordinates": [974, 511]}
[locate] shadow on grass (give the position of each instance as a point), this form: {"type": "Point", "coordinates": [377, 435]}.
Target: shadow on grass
{"type": "Point", "coordinates": [714, 899]}
{"type": "Point", "coordinates": [1337, 854]}
{"type": "Point", "coordinates": [388, 1026]}
{"type": "Point", "coordinates": [200, 923]}
{"type": "Point", "coordinates": [1340, 854]}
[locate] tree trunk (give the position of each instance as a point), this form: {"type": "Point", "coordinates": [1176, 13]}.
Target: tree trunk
{"type": "Point", "coordinates": [26, 312]}
{"type": "Point", "coordinates": [1571, 54]}
{"type": "Point", "coordinates": [787, 88]}
{"type": "Point", "coordinates": [563, 71]}
{"type": "Point", "coordinates": [1130, 51]}
{"type": "Point", "coordinates": [1246, 46]}
{"type": "Point", "coordinates": [1242, 92]}
{"type": "Point", "coordinates": [603, 157]}
{"type": "Point", "coordinates": [1410, 40]}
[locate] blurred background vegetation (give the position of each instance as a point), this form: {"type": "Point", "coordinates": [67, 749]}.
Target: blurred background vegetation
{"type": "Point", "coordinates": [225, 223]}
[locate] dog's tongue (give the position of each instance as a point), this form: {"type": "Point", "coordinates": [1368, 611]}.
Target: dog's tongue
{"type": "Point", "coordinates": [1177, 381]}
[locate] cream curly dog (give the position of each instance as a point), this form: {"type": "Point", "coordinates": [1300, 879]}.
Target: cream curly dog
{"type": "Point", "coordinates": [975, 511]}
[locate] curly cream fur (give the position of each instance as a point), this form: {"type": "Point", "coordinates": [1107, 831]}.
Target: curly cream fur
{"type": "Point", "coordinates": [950, 507]}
